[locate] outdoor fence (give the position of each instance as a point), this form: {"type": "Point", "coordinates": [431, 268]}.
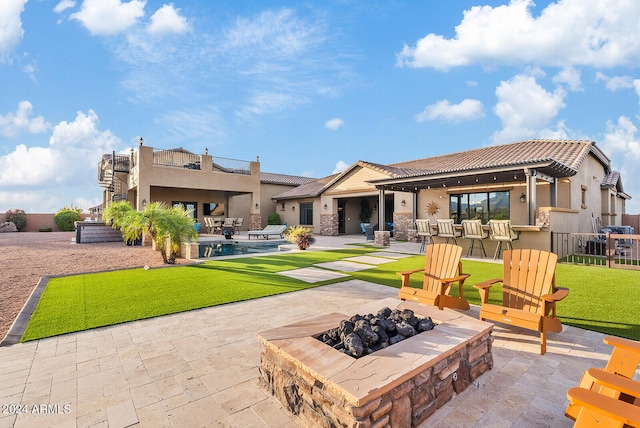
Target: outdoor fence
{"type": "Point", "coordinates": [612, 250]}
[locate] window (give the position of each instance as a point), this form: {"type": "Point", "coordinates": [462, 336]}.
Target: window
{"type": "Point", "coordinates": [192, 207]}
{"type": "Point", "coordinates": [583, 197]}
{"type": "Point", "coordinates": [484, 206]}
{"type": "Point", "coordinates": [306, 213]}
{"type": "Point", "coordinates": [213, 209]}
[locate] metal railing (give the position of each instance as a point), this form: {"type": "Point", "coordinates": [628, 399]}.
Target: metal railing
{"type": "Point", "coordinates": [232, 166]}
{"type": "Point", "coordinates": [600, 249]}
{"type": "Point", "coordinates": [176, 158]}
{"type": "Point", "coordinates": [188, 160]}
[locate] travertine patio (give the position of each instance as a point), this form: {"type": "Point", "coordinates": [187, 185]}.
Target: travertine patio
{"type": "Point", "coordinates": [200, 368]}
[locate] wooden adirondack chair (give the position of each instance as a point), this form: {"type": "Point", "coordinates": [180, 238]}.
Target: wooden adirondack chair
{"type": "Point", "coordinates": [623, 363]}
{"type": "Point", "coordinates": [529, 293]}
{"type": "Point", "coordinates": [442, 269]}
{"type": "Point", "coordinates": [597, 410]}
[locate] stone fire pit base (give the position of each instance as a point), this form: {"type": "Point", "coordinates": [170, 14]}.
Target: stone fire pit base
{"type": "Point", "coordinates": [400, 386]}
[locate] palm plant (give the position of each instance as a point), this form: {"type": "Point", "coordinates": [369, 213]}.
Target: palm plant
{"type": "Point", "coordinates": [168, 227]}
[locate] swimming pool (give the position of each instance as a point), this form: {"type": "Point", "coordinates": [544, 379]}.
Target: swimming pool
{"type": "Point", "coordinates": [235, 248]}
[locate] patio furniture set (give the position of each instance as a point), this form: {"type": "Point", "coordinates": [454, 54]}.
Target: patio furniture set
{"type": "Point", "coordinates": [217, 225]}
{"type": "Point", "coordinates": [495, 230]}
{"type": "Point", "coordinates": [605, 396]}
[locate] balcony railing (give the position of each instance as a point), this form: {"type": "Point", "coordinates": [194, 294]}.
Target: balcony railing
{"type": "Point", "coordinates": [233, 166]}
{"type": "Point", "coordinates": [184, 159]}
{"type": "Point", "coordinates": [176, 158]}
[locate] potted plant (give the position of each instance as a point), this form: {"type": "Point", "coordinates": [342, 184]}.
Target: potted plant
{"type": "Point", "coordinates": [300, 235]}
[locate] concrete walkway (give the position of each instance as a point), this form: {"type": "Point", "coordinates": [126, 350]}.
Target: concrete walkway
{"type": "Point", "coordinates": [200, 368]}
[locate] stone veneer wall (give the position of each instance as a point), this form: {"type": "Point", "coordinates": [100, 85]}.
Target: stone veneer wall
{"type": "Point", "coordinates": [402, 223]}
{"type": "Point", "coordinates": [255, 222]}
{"type": "Point", "coordinates": [329, 224]}
{"type": "Point", "coordinates": [408, 404]}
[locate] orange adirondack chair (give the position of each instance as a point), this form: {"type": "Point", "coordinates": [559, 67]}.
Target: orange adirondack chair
{"type": "Point", "coordinates": [529, 293]}
{"type": "Point", "coordinates": [442, 268]}
{"type": "Point", "coordinates": [612, 380]}
{"type": "Point", "coordinates": [597, 410]}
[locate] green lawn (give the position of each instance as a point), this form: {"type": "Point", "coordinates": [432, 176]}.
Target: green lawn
{"type": "Point", "coordinates": [600, 299]}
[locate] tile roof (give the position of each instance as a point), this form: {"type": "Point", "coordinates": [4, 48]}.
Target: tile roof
{"type": "Point", "coordinates": [563, 155]}
{"type": "Point", "coordinates": [560, 158]}
{"type": "Point", "coordinates": [287, 180]}
{"type": "Point", "coordinates": [611, 180]}
{"type": "Point", "coordinates": [307, 190]}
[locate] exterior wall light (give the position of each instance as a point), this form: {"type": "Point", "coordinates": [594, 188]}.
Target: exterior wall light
{"type": "Point", "coordinates": [523, 198]}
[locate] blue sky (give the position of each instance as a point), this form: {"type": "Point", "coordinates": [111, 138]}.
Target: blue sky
{"type": "Point", "coordinates": [309, 87]}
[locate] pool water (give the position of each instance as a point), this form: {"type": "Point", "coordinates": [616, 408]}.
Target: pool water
{"type": "Point", "coordinates": [234, 248]}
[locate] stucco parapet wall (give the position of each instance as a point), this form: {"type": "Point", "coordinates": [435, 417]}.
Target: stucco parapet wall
{"type": "Point", "coordinates": [557, 209]}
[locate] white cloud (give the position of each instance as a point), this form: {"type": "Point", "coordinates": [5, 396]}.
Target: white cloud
{"type": "Point", "coordinates": [72, 155]}
{"type": "Point", "coordinates": [197, 125]}
{"type": "Point", "coordinates": [525, 109]}
{"type": "Point", "coordinates": [108, 17]}
{"type": "Point", "coordinates": [11, 31]}
{"type": "Point", "coordinates": [615, 83]}
{"type": "Point", "coordinates": [167, 20]}
{"type": "Point", "coordinates": [569, 76]}
{"type": "Point", "coordinates": [334, 124]}
{"type": "Point", "coordinates": [13, 124]}
{"type": "Point", "coordinates": [278, 32]}
{"type": "Point", "coordinates": [340, 166]}
{"type": "Point", "coordinates": [621, 139]}
{"type": "Point", "coordinates": [468, 109]}
{"type": "Point", "coordinates": [265, 102]}
{"type": "Point", "coordinates": [601, 33]}
{"type": "Point", "coordinates": [64, 5]}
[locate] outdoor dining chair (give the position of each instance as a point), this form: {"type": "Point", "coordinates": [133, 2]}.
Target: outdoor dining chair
{"type": "Point", "coordinates": [472, 230]}
{"type": "Point", "coordinates": [424, 233]}
{"type": "Point", "coordinates": [446, 230]}
{"type": "Point", "coordinates": [501, 231]}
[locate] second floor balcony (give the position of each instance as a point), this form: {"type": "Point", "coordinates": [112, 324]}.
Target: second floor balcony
{"type": "Point", "coordinates": [181, 158]}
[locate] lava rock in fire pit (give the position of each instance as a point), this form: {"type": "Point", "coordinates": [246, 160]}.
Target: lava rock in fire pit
{"type": "Point", "coordinates": [361, 335]}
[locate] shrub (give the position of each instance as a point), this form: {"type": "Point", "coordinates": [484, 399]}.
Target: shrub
{"type": "Point", "coordinates": [17, 217]}
{"type": "Point", "coordinates": [300, 235]}
{"type": "Point", "coordinates": [273, 218]}
{"type": "Point", "coordinates": [66, 217]}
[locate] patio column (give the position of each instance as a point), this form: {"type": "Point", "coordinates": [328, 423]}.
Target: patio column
{"type": "Point", "coordinates": [531, 195]}
{"type": "Point", "coordinates": [381, 210]}
{"type": "Point", "coordinates": [554, 193]}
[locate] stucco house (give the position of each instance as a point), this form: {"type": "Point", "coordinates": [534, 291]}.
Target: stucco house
{"type": "Point", "coordinates": [207, 185]}
{"type": "Point", "coordinates": [542, 186]}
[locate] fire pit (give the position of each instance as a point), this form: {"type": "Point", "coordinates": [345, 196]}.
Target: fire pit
{"type": "Point", "coordinates": [400, 385]}
{"type": "Point", "coordinates": [362, 335]}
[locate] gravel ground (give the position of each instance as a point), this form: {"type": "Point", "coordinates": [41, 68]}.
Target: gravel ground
{"type": "Point", "coordinates": [27, 256]}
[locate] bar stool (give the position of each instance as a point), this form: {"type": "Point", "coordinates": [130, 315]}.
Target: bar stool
{"type": "Point", "coordinates": [446, 230]}
{"type": "Point", "coordinates": [473, 231]}
{"type": "Point", "coordinates": [424, 232]}
{"type": "Point", "coordinates": [501, 231]}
